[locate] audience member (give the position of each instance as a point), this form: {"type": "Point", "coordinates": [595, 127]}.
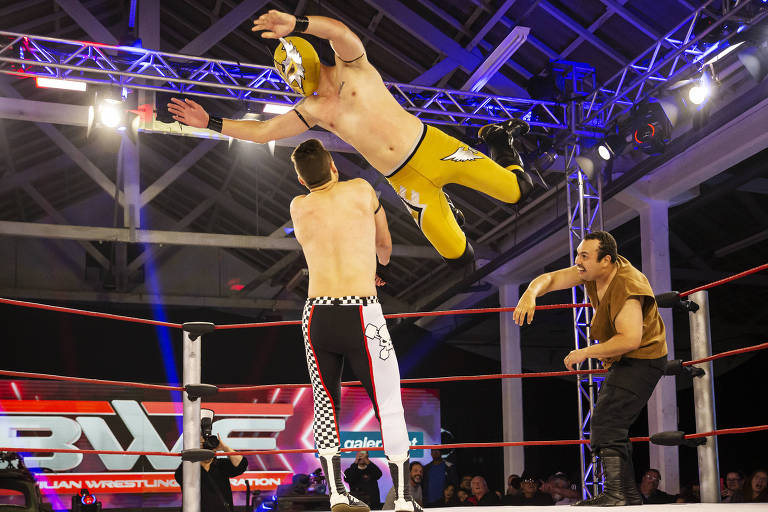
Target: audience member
{"type": "Point", "coordinates": [448, 499]}
{"type": "Point", "coordinates": [756, 487]}
{"type": "Point", "coordinates": [530, 495]}
{"type": "Point", "coordinates": [732, 490]}
{"type": "Point", "coordinates": [437, 475]}
{"type": "Point", "coordinates": [416, 476]}
{"type": "Point", "coordinates": [649, 489]}
{"type": "Point", "coordinates": [466, 484]}
{"type": "Point", "coordinates": [462, 495]}
{"type": "Point", "coordinates": [481, 495]}
{"type": "Point", "coordinates": [558, 486]}
{"type": "Point", "coordinates": [363, 478]}
{"type": "Point", "coordinates": [513, 485]}
{"type": "Point", "coordinates": [690, 493]}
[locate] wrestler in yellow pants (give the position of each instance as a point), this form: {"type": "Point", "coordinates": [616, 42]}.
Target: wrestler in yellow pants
{"type": "Point", "coordinates": [439, 159]}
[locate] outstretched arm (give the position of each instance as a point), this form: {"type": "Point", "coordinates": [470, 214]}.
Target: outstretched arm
{"type": "Point", "coordinates": [345, 43]}
{"type": "Point", "coordinates": [279, 127]}
{"type": "Point", "coordinates": [545, 283]}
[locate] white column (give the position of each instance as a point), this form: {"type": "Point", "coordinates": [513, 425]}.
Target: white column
{"type": "Point", "coordinates": [662, 407]}
{"type": "Point", "coordinates": [129, 162]}
{"type": "Point", "coordinates": [511, 389]}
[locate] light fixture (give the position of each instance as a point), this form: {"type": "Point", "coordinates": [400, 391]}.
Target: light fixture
{"type": "Point", "coordinates": [58, 83]}
{"type": "Point", "coordinates": [111, 113]}
{"type": "Point", "coordinates": [698, 93]}
{"type": "Point", "coordinates": [651, 128]}
{"type": "Point", "coordinates": [277, 108]}
{"type": "Point", "coordinates": [612, 146]}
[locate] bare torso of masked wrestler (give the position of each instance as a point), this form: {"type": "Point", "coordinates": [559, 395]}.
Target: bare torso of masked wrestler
{"type": "Point", "coordinates": [353, 103]}
{"type": "Point", "coordinates": [336, 230]}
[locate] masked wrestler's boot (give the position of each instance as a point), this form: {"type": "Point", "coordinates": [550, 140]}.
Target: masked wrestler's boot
{"type": "Point", "coordinates": [499, 138]}
{"type": "Point", "coordinates": [400, 469]}
{"type": "Point", "coordinates": [341, 500]}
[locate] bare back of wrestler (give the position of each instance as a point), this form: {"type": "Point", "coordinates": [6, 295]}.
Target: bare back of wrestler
{"type": "Point", "coordinates": [351, 101]}
{"type": "Point", "coordinates": [341, 233]}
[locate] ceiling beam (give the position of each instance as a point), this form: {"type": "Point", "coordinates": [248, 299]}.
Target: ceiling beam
{"type": "Point", "coordinates": [581, 31]}
{"type": "Point", "coordinates": [219, 30]}
{"type": "Point", "coordinates": [742, 244]}
{"type": "Point", "coordinates": [69, 149]}
{"type": "Point", "coordinates": [488, 68]}
{"type": "Point", "coordinates": [87, 21]}
{"type": "Point", "coordinates": [179, 168]}
{"type": "Point", "coordinates": [149, 24]}
{"type": "Point", "coordinates": [428, 34]}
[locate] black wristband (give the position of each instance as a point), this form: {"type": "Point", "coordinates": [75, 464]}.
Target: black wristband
{"type": "Point", "coordinates": [302, 22]}
{"type": "Point", "coordinates": [215, 123]}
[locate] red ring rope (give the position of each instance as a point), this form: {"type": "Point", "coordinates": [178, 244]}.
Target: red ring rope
{"type": "Point", "coordinates": [725, 280]}
{"type": "Point", "coordinates": [560, 442]}
{"type": "Point", "coordinates": [35, 305]}
{"type": "Point", "coordinates": [424, 380]}
{"type": "Point", "coordinates": [47, 376]}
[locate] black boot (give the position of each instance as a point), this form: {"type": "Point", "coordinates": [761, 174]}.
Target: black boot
{"type": "Point", "coordinates": [400, 469]}
{"type": "Point", "coordinates": [464, 265]}
{"type": "Point", "coordinates": [341, 500]}
{"type": "Point", "coordinates": [618, 479]}
{"type": "Point", "coordinates": [499, 138]}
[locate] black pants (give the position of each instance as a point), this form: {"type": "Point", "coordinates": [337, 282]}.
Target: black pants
{"type": "Point", "coordinates": [624, 393]}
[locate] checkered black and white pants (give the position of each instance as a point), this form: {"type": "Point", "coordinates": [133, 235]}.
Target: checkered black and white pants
{"type": "Point", "coordinates": [352, 330]}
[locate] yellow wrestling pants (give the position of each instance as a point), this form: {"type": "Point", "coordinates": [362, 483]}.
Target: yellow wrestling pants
{"type": "Point", "coordinates": [436, 160]}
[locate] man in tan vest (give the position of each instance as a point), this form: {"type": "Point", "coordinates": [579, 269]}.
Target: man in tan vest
{"type": "Point", "coordinates": [632, 346]}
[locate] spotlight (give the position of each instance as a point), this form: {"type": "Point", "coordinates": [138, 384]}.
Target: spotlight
{"type": "Point", "coordinates": [651, 128]}
{"type": "Point", "coordinates": [698, 93]}
{"type": "Point", "coordinates": [111, 114]}
{"type": "Point", "coordinates": [612, 146]}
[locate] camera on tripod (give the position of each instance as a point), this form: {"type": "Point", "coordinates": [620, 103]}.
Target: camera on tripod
{"type": "Point", "coordinates": [210, 441]}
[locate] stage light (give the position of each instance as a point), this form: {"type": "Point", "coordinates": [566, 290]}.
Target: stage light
{"type": "Point", "coordinates": [110, 113]}
{"type": "Point", "coordinates": [651, 128]}
{"type": "Point", "coordinates": [58, 83]}
{"type": "Point", "coordinates": [698, 93]}
{"type": "Point", "coordinates": [277, 108]}
{"type": "Point", "coordinates": [612, 146]}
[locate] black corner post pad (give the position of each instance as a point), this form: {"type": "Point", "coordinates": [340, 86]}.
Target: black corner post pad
{"type": "Point", "coordinates": [673, 300]}
{"type": "Point", "coordinates": [197, 329]}
{"type": "Point", "coordinates": [669, 438]}
{"type": "Point", "coordinates": [676, 367]}
{"type": "Point", "coordinates": [195, 391]}
{"type": "Point", "coordinates": [676, 438]}
{"type": "Point", "coordinates": [197, 455]}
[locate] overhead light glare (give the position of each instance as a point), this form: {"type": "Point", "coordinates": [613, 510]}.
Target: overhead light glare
{"type": "Point", "coordinates": [604, 152]}
{"type": "Point", "coordinates": [277, 108]}
{"type": "Point", "coordinates": [58, 83]}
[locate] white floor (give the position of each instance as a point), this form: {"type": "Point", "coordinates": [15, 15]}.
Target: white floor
{"type": "Point", "coordinates": [681, 507]}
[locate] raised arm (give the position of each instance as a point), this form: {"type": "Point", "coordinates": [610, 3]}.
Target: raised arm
{"type": "Point", "coordinates": [345, 43]}
{"type": "Point", "coordinates": [545, 283]}
{"type": "Point", "coordinates": [280, 127]}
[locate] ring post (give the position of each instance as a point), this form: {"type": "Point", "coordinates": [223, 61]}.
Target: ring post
{"type": "Point", "coordinates": [704, 399]}
{"type": "Point", "coordinates": [190, 494]}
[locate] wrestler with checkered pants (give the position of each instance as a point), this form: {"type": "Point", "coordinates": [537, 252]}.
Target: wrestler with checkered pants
{"type": "Point", "coordinates": [342, 229]}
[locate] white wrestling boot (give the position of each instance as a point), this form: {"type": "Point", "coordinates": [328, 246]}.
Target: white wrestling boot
{"type": "Point", "coordinates": [400, 469]}
{"type": "Point", "coordinates": [341, 500]}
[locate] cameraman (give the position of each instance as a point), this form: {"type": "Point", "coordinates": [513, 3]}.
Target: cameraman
{"type": "Point", "coordinates": [215, 491]}
{"type": "Point", "coordinates": [363, 476]}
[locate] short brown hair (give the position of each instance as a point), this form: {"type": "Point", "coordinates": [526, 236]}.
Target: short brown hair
{"type": "Point", "coordinates": [312, 162]}
{"type": "Point", "coordinates": [607, 245]}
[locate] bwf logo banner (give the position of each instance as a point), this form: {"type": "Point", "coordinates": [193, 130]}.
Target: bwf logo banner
{"type": "Point", "coordinates": [372, 439]}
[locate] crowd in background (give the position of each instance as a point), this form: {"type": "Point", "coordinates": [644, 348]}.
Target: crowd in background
{"type": "Point", "coordinates": [438, 484]}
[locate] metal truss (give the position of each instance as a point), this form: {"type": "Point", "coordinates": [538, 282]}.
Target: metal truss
{"type": "Point", "coordinates": [672, 57]}
{"type": "Point", "coordinates": [584, 202]}
{"type": "Point", "coordinates": [129, 68]}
